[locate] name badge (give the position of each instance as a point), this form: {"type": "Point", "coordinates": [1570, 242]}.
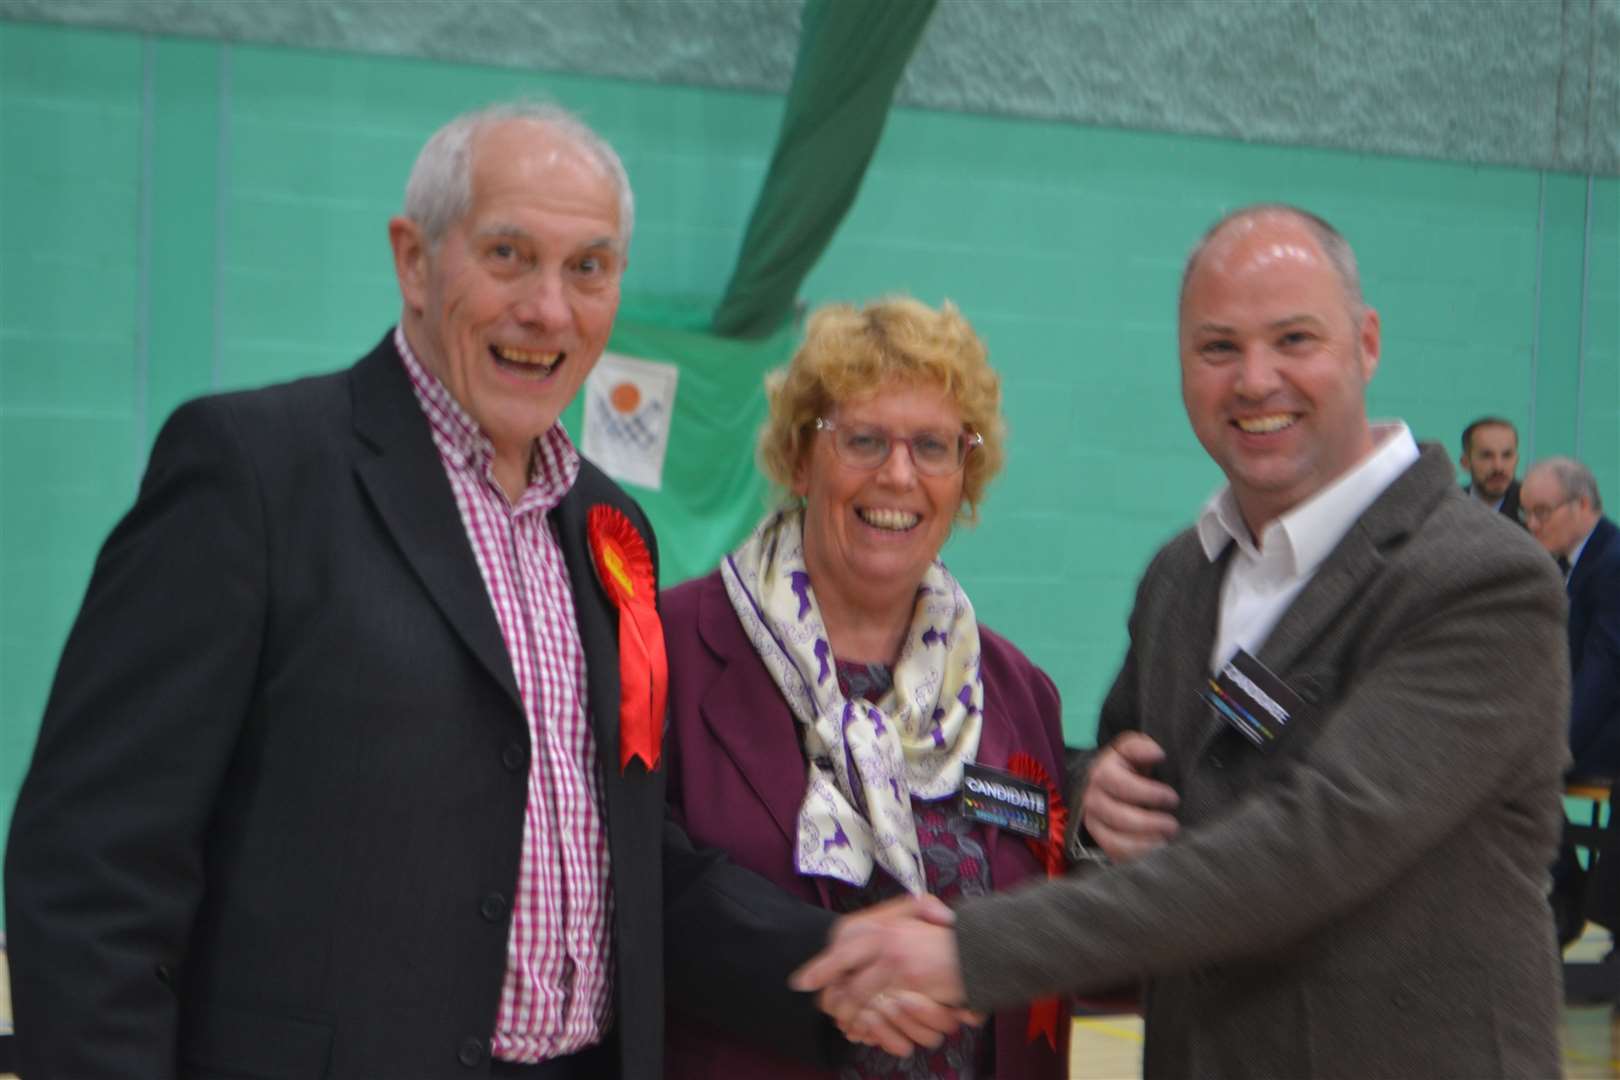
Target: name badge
{"type": "Point", "coordinates": [995, 797]}
{"type": "Point", "coordinates": [1248, 696]}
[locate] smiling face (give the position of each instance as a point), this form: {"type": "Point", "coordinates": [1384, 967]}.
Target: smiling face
{"type": "Point", "coordinates": [514, 305]}
{"type": "Point", "coordinates": [870, 534]}
{"type": "Point", "coordinates": [1492, 458]}
{"type": "Point", "coordinates": [1275, 365]}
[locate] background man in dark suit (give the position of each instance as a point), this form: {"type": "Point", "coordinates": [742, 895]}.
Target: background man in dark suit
{"type": "Point", "coordinates": [1564, 512]}
{"type": "Point", "coordinates": [1490, 455]}
{"type": "Point", "coordinates": [1344, 876]}
{"type": "Point", "coordinates": [334, 780]}
{"type": "Point", "coordinates": [1562, 507]}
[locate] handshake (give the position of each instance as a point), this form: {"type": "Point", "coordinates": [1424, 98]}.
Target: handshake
{"type": "Point", "coordinates": [889, 975]}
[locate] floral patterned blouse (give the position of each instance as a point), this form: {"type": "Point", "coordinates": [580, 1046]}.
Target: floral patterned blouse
{"type": "Point", "coordinates": [955, 866]}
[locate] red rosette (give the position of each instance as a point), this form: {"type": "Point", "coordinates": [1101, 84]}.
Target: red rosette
{"type": "Point", "coordinates": [624, 567]}
{"type": "Point", "coordinates": [1045, 1014]}
{"type": "Point", "coordinates": [1050, 850]}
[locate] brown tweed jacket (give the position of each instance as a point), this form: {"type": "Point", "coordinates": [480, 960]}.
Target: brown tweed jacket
{"type": "Point", "coordinates": [1368, 899]}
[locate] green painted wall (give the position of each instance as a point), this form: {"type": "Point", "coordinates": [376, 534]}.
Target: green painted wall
{"type": "Point", "coordinates": [179, 216]}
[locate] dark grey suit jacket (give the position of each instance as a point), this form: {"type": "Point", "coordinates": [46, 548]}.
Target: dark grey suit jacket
{"type": "Point", "coordinates": [275, 814]}
{"type": "Point", "coordinates": [1367, 900]}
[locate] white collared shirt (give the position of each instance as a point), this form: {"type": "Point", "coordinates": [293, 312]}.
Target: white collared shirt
{"type": "Point", "coordinates": [1575, 556]}
{"type": "Point", "coordinates": [1262, 581]}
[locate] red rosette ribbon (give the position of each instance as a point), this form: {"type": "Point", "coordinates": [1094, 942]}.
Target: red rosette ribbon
{"type": "Point", "coordinates": [1045, 1014]}
{"type": "Point", "coordinates": [625, 569]}
{"type": "Point", "coordinates": [1050, 850]}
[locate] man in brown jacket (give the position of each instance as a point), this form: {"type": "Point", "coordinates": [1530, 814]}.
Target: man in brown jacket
{"type": "Point", "coordinates": [1328, 773]}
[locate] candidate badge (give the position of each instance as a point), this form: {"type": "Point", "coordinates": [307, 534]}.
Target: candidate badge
{"type": "Point", "coordinates": [995, 797]}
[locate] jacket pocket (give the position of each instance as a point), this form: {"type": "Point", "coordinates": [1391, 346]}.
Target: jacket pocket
{"type": "Point", "coordinates": [227, 1041]}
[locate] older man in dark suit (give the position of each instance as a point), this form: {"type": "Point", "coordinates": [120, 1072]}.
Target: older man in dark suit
{"type": "Point", "coordinates": [343, 774]}
{"type": "Point", "coordinates": [1564, 512]}
{"type": "Point", "coordinates": [1330, 767]}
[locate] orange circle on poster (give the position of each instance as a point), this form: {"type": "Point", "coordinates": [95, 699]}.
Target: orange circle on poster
{"type": "Point", "coordinates": [625, 397]}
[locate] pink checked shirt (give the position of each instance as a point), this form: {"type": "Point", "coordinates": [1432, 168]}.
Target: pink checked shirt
{"type": "Point", "coordinates": [556, 997]}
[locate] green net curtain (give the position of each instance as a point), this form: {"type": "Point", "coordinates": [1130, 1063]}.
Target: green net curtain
{"type": "Point", "coordinates": [851, 56]}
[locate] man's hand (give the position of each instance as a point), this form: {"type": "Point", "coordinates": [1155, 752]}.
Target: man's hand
{"type": "Point", "coordinates": [1124, 809]}
{"type": "Point", "coordinates": [889, 975]}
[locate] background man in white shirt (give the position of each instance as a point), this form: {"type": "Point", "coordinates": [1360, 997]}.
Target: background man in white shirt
{"type": "Point", "coordinates": [1358, 888]}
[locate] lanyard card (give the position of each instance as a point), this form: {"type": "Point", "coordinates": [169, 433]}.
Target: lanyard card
{"type": "Point", "coordinates": [1248, 696]}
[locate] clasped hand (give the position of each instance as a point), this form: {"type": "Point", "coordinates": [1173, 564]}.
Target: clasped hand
{"type": "Point", "coordinates": [1126, 811]}
{"type": "Point", "coordinates": [889, 975]}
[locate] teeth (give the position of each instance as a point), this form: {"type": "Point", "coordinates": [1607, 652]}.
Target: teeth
{"type": "Point", "coordinates": [883, 518]}
{"type": "Point", "coordinates": [547, 360]}
{"type": "Point", "coordinates": [1260, 425]}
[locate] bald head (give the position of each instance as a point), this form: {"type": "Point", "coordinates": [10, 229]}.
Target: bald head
{"type": "Point", "coordinates": [1333, 246]}
{"type": "Point", "coordinates": [1274, 362]}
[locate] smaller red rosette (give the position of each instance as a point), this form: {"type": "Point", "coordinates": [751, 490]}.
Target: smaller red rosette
{"type": "Point", "coordinates": [1050, 850]}
{"type": "Point", "coordinates": [1046, 1014]}
{"type": "Point", "coordinates": [624, 567]}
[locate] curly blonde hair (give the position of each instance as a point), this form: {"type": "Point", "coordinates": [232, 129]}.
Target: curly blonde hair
{"type": "Point", "coordinates": [851, 353]}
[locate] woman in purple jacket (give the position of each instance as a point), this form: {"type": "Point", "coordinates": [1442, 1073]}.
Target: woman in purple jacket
{"type": "Point", "coordinates": [831, 691]}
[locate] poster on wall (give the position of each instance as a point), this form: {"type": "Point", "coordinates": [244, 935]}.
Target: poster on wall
{"type": "Point", "coordinates": [629, 403]}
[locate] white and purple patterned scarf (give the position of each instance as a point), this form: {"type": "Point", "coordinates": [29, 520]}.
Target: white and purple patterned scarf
{"type": "Point", "coordinates": [867, 759]}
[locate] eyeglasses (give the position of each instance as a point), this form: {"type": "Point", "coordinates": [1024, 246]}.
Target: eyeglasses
{"type": "Point", "coordinates": [1535, 515]}
{"type": "Point", "coordinates": [933, 453]}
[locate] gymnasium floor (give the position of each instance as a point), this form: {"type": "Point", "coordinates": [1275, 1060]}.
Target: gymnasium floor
{"type": "Point", "coordinates": [1110, 1047]}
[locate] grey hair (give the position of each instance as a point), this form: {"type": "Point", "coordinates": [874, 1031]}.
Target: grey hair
{"type": "Point", "coordinates": [439, 190]}
{"type": "Point", "coordinates": [1574, 479]}
{"type": "Point", "coordinates": [1333, 244]}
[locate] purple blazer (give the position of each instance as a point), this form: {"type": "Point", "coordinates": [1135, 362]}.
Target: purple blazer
{"type": "Point", "coordinates": [737, 777]}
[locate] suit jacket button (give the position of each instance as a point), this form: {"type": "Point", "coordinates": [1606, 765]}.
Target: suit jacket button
{"type": "Point", "coordinates": [492, 907]}
{"type": "Point", "coordinates": [471, 1053]}
{"type": "Point", "coordinates": [165, 974]}
{"type": "Point", "coordinates": [515, 756]}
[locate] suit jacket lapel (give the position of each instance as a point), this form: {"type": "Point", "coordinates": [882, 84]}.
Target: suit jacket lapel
{"type": "Point", "coordinates": [596, 618]}
{"type": "Point", "coordinates": [1602, 535]}
{"type": "Point", "coordinates": [1335, 586]}
{"type": "Point", "coordinates": [745, 712]}
{"type": "Point", "coordinates": [1358, 556]}
{"type": "Point", "coordinates": [402, 474]}
{"type": "Point", "coordinates": [1200, 614]}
